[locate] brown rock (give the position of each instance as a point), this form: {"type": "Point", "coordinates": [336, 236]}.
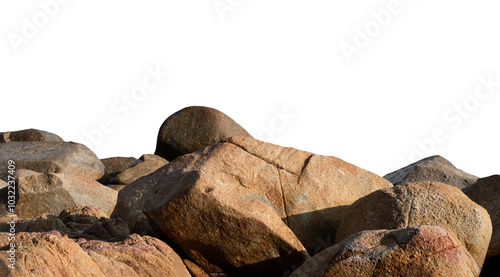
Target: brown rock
{"type": "Point", "coordinates": [117, 164]}
{"type": "Point", "coordinates": [29, 135]}
{"type": "Point", "coordinates": [116, 187]}
{"type": "Point", "coordinates": [145, 165]}
{"type": "Point", "coordinates": [194, 128]}
{"type": "Point", "coordinates": [50, 254]}
{"type": "Point", "coordinates": [425, 203]}
{"type": "Point", "coordinates": [51, 193]}
{"type": "Point", "coordinates": [240, 198]}
{"type": "Point", "coordinates": [194, 269]}
{"type": "Point", "coordinates": [435, 169]}
{"type": "Point", "coordinates": [486, 193]}
{"type": "Point", "coordinates": [416, 251]}
{"type": "Point", "coordinates": [51, 157]}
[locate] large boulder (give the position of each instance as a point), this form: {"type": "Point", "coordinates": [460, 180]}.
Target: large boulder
{"type": "Point", "coordinates": [435, 168]}
{"type": "Point", "coordinates": [414, 251]}
{"type": "Point", "coordinates": [146, 164]}
{"type": "Point", "coordinates": [50, 193]}
{"type": "Point", "coordinates": [52, 255]}
{"type": "Point", "coordinates": [241, 200]}
{"type": "Point", "coordinates": [486, 192]}
{"type": "Point", "coordinates": [425, 203]}
{"type": "Point", "coordinates": [29, 135]}
{"type": "Point", "coordinates": [194, 128]}
{"type": "Point", "coordinates": [51, 157]}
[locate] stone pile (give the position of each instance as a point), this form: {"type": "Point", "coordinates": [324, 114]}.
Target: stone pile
{"type": "Point", "coordinates": [213, 201]}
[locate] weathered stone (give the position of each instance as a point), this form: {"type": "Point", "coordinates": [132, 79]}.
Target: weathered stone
{"type": "Point", "coordinates": [50, 193]}
{"type": "Point", "coordinates": [435, 169]}
{"type": "Point", "coordinates": [194, 128]}
{"type": "Point", "coordinates": [194, 269]}
{"type": "Point", "coordinates": [241, 198]}
{"type": "Point", "coordinates": [486, 193]}
{"type": "Point", "coordinates": [29, 135]}
{"type": "Point", "coordinates": [51, 157]}
{"type": "Point", "coordinates": [117, 164]}
{"type": "Point", "coordinates": [146, 164]}
{"type": "Point", "coordinates": [50, 254]}
{"type": "Point", "coordinates": [416, 251]}
{"type": "Point", "coordinates": [425, 203]}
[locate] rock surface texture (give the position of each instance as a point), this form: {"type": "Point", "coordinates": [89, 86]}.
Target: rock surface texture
{"type": "Point", "coordinates": [194, 128]}
{"type": "Point", "coordinates": [145, 165]}
{"type": "Point", "coordinates": [436, 169]}
{"type": "Point", "coordinates": [425, 203]}
{"type": "Point", "coordinates": [486, 193]}
{"type": "Point", "coordinates": [52, 157]}
{"type": "Point", "coordinates": [50, 193]}
{"type": "Point", "coordinates": [415, 251]}
{"type": "Point", "coordinates": [245, 203]}
{"type": "Point", "coordinates": [82, 241]}
{"type": "Point", "coordinates": [29, 135]}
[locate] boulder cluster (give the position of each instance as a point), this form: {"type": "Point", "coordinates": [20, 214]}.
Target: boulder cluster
{"type": "Point", "coordinates": [214, 201]}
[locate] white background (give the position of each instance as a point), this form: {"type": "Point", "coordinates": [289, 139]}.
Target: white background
{"type": "Point", "coordinates": [257, 59]}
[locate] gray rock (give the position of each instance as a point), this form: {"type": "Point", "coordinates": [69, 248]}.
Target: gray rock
{"type": "Point", "coordinates": [435, 168]}
{"type": "Point", "coordinates": [51, 157]}
{"type": "Point", "coordinates": [29, 135]}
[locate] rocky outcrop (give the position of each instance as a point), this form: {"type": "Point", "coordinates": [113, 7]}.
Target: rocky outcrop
{"type": "Point", "coordinates": [486, 193]}
{"type": "Point", "coordinates": [50, 193]}
{"type": "Point", "coordinates": [415, 251]}
{"type": "Point", "coordinates": [425, 203]}
{"type": "Point", "coordinates": [29, 135]}
{"type": "Point", "coordinates": [245, 203]}
{"type": "Point", "coordinates": [435, 169]}
{"type": "Point", "coordinates": [52, 157]}
{"type": "Point", "coordinates": [194, 128]}
{"type": "Point", "coordinates": [81, 241]}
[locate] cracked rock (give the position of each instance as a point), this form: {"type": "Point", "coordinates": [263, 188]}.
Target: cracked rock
{"type": "Point", "coordinates": [246, 206]}
{"type": "Point", "coordinates": [416, 251]}
{"type": "Point", "coordinates": [425, 203]}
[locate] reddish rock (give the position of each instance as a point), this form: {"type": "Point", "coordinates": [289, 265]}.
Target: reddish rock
{"type": "Point", "coordinates": [241, 200]}
{"type": "Point", "coordinates": [53, 255]}
{"type": "Point", "coordinates": [425, 203]}
{"type": "Point", "coordinates": [415, 251]}
{"type": "Point", "coordinates": [435, 169]}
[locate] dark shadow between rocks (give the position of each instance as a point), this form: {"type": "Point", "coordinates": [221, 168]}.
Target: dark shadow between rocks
{"type": "Point", "coordinates": [322, 235]}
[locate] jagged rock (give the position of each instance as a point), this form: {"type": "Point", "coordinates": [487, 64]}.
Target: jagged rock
{"type": "Point", "coordinates": [29, 135]}
{"type": "Point", "coordinates": [425, 203]}
{"type": "Point", "coordinates": [194, 128]}
{"type": "Point", "coordinates": [50, 193]}
{"type": "Point", "coordinates": [51, 157]}
{"type": "Point", "coordinates": [416, 251]}
{"type": "Point", "coordinates": [436, 169]}
{"type": "Point", "coordinates": [145, 165]}
{"type": "Point", "coordinates": [53, 255]}
{"type": "Point", "coordinates": [241, 200]}
{"type": "Point", "coordinates": [486, 193]}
